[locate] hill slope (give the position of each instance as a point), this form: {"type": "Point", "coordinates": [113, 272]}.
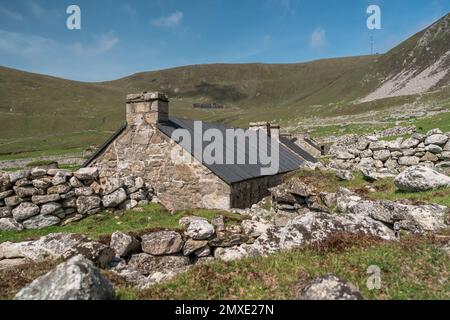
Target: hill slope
{"type": "Point", "coordinates": [38, 111]}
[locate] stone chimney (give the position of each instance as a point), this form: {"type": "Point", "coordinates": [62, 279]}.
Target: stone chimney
{"type": "Point", "coordinates": [275, 132]}
{"type": "Point", "coordinates": [260, 126]}
{"type": "Point", "coordinates": [147, 108]}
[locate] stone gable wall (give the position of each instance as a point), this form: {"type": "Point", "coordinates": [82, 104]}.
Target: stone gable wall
{"type": "Point", "coordinates": [144, 151]}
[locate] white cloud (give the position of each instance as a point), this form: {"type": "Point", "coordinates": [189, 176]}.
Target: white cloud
{"type": "Point", "coordinates": [23, 45]}
{"type": "Point", "coordinates": [170, 21]}
{"type": "Point", "coordinates": [317, 39]}
{"type": "Point", "coordinates": [10, 14]}
{"type": "Point", "coordinates": [102, 45]}
{"type": "Point", "coordinates": [37, 10]}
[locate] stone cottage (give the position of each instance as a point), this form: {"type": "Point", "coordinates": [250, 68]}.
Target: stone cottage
{"type": "Point", "coordinates": [144, 147]}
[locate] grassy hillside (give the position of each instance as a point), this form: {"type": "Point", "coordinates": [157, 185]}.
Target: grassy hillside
{"type": "Point", "coordinates": [39, 112]}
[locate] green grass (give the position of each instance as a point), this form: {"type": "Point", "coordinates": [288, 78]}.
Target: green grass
{"type": "Point", "coordinates": [410, 269]}
{"type": "Point", "coordinates": [137, 221]}
{"type": "Point", "coordinates": [41, 163]}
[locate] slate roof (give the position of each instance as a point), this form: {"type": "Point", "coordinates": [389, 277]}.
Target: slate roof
{"type": "Point", "coordinates": [291, 156]}
{"type": "Point", "coordinates": [232, 173]}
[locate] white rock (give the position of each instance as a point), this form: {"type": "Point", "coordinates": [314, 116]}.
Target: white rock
{"type": "Point", "coordinates": [200, 230]}
{"type": "Point", "coordinates": [421, 178]}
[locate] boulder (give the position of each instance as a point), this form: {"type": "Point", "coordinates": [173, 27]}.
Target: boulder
{"type": "Point", "coordinates": [5, 212]}
{"type": "Point", "coordinates": [110, 184]}
{"type": "Point", "coordinates": [330, 287]}
{"type": "Point", "coordinates": [86, 204]}
{"type": "Point", "coordinates": [410, 143]}
{"type": "Point", "coordinates": [5, 182]}
{"type": "Point", "coordinates": [200, 230]}
{"type": "Point", "coordinates": [235, 253]}
{"type": "Point", "coordinates": [17, 175]}
{"type": "Point", "coordinates": [42, 183]}
{"type": "Point", "coordinates": [378, 145]}
{"type": "Point", "coordinates": [6, 194]}
{"type": "Point", "coordinates": [24, 211]}
{"type": "Point", "coordinates": [58, 246]}
{"type": "Point", "coordinates": [9, 224]}
{"type": "Point", "coordinates": [40, 222]}
{"type": "Point", "coordinates": [421, 178]}
{"type": "Point", "coordinates": [162, 243]}
{"type": "Point", "coordinates": [86, 174]}
{"type": "Point", "coordinates": [114, 199]}
{"type": "Point", "coordinates": [123, 244]}
{"type": "Point", "coordinates": [438, 139]}
{"type": "Point", "coordinates": [75, 279]}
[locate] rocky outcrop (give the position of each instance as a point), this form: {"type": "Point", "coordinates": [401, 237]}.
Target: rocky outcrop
{"type": "Point", "coordinates": [39, 198]}
{"type": "Point", "coordinates": [330, 287]}
{"type": "Point", "coordinates": [75, 279]}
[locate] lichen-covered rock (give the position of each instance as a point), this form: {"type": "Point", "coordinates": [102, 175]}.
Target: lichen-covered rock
{"type": "Point", "coordinates": [330, 287]}
{"type": "Point", "coordinates": [75, 183]}
{"type": "Point", "coordinates": [162, 243]}
{"type": "Point", "coordinates": [75, 279]}
{"type": "Point", "coordinates": [114, 199]}
{"type": "Point", "coordinates": [110, 184]}
{"type": "Point", "coordinates": [59, 189]}
{"type": "Point", "coordinates": [235, 253]}
{"type": "Point", "coordinates": [192, 246]}
{"type": "Point", "coordinates": [25, 192]}
{"type": "Point", "coordinates": [254, 228]}
{"type": "Point", "coordinates": [5, 212]}
{"type": "Point", "coordinates": [13, 201]}
{"type": "Point", "coordinates": [6, 194]}
{"type": "Point", "coordinates": [50, 208]}
{"type": "Point", "coordinates": [86, 204]}
{"type": "Point", "coordinates": [59, 178]}
{"type": "Point", "coordinates": [25, 210]}
{"type": "Point", "coordinates": [437, 139]}
{"type": "Point", "coordinates": [45, 198]}
{"type": "Point", "coordinates": [9, 224]}
{"type": "Point", "coordinates": [40, 222]}
{"type": "Point", "coordinates": [421, 178]}
{"type": "Point", "coordinates": [84, 191]}
{"type": "Point", "coordinates": [123, 244]}
{"type": "Point", "coordinates": [58, 246]}
{"type": "Point", "coordinates": [17, 175]}
{"type": "Point", "coordinates": [86, 174]}
{"type": "Point", "coordinates": [147, 264]}
{"type": "Point", "coordinates": [200, 230]}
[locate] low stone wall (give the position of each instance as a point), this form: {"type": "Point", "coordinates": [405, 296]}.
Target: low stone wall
{"type": "Point", "coordinates": [39, 197]}
{"type": "Point", "coordinates": [368, 152]}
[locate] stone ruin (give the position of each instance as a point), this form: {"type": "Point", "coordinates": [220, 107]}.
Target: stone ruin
{"type": "Point", "coordinates": [40, 197]}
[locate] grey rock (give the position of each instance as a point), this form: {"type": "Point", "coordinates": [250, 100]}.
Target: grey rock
{"type": "Point", "coordinates": [38, 172]}
{"type": "Point", "coordinates": [25, 192]}
{"type": "Point", "coordinates": [110, 184]}
{"type": "Point", "coordinates": [24, 211]}
{"type": "Point", "coordinates": [75, 183]}
{"type": "Point", "coordinates": [58, 246]}
{"type": "Point", "coordinates": [162, 243]}
{"type": "Point", "coordinates": [86, 174]}
{"type": "Point", "coordinates": [85, 204]}
{"type": "Point", "coordinates": [59, 178]}
{"type": "Point", "coordinates": [345, 175]}
{"type": "Point", "coordinates": [13, 201]}
{"type": "Point", "coordinates": [382, 155]}
{"type": "Point", "coordinates": [6, 194]}
{"type": "Point", "coordinates": [139, 195]}
{"type": "Point", "coordinates": [23, 183]}
{"type": "Point", "coordinates": [84, 191]}
{"type": "Point", "coordinates": [42, 183]}
{"type": "Point", "coordinates": [40, 222]}
{"type": "Point", "coordinates": [75, 279]}
{"type": "Point", "coordinates": [123, 244]}
{"type": "Point", "coordinates": [147, 264]}
{"type": "Point", "coordinates": [410, 143]}
{"type": "Point", "coordinates": [192, 246]}
{"type": "Point", "coordinates": [438, 139]}
{"type": "Point", "coordinates": [421, 178]}
{"type": "Point", "coordinates": [5, 212]}
{"type": "Point", "coordinates": [45, 198]}
{"type": "Point", "coordinates": [408, 161]}
{"type": "Point", "coordinates": [433, 148]}
{"type": "Point", "coordinates": [9, 224]}
{"type": "Point", "coordinates": [50, 208]}
{"type": "Point", "coordinates": [59, 189]}
{"type": "Point", "coordinates": [114, 199]}
{"type": "Point", "coordinates": [254, 228]}
{"type": "Point", "coordinates": [330, 287]}
{"type": "Point", "coordinates": [200, 230]}
{"type": "Point", "coordinates": [17, 175]}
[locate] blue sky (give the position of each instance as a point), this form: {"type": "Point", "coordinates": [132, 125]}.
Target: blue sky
{"type": "Point", "coordinates": [119, 38]}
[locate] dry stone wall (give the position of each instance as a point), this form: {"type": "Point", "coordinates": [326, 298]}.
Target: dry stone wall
{"type": "Point", "coordinates": [39, 197]}
{"type": "Point", "coordinates": [391, 157]}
